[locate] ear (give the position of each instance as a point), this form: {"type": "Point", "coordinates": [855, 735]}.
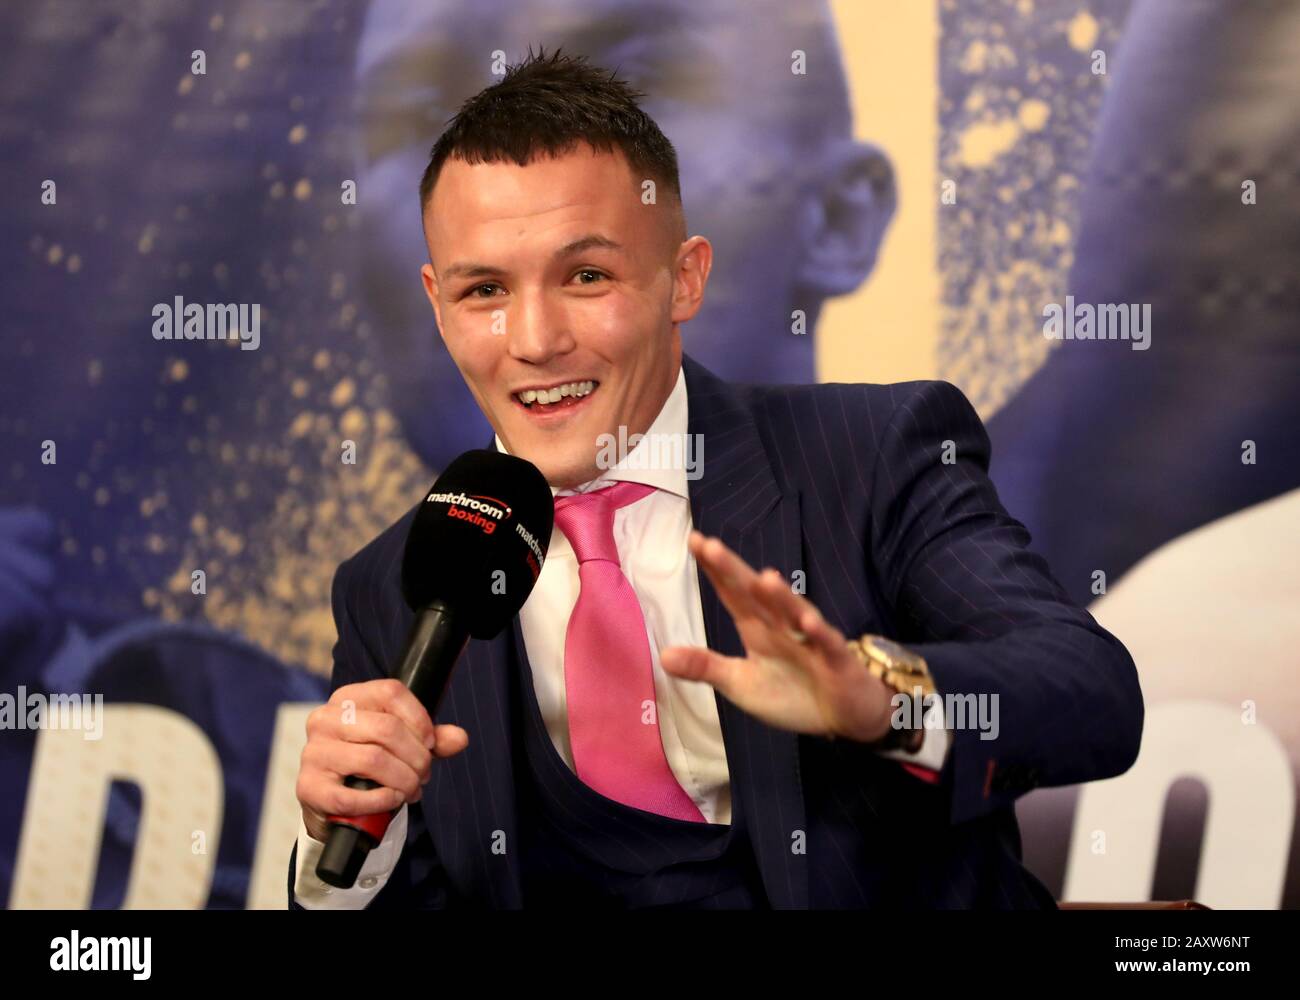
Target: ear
{"type": "Point", "coordinates": [694, 262]}
{"type": "Point", "coordinates": [846, 218]}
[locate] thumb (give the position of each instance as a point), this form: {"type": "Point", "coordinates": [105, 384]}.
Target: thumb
{"type": "Point", "coordinates": [694, 663]}
{"type": "Point", "coordinates": [449, 740]}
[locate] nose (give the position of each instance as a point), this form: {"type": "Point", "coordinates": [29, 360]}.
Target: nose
{"type": "Point", "coordinates": [536, 329]}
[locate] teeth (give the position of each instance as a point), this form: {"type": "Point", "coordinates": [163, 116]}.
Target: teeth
{"type": "Point", "coordinates": [555, 393]}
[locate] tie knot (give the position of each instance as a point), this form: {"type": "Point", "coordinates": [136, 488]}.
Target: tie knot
{"type": "Point", "coordinates": [587, 519]}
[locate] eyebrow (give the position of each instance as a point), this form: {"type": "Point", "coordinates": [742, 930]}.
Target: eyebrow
{"type": "Point", "coordinates": [592, 241]}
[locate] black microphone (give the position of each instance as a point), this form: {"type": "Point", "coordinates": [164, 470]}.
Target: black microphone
{"type": "Point", "coordinates": [473, 553]}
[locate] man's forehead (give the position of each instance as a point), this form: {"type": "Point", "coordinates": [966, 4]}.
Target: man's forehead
{"type": "Point", "coordinates": [484, 193]}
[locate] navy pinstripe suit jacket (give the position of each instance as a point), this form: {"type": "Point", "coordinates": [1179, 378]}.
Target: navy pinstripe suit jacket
{"type": "Point", "coordinates": [848, 484]}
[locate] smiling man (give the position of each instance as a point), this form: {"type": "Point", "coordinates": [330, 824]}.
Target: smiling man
{"type": "Point", "coordinates": [558, 289]}
{"type": "Point", "coordinates": [795, 205]}
{"type": "Point", "coordinates": [667, 725]}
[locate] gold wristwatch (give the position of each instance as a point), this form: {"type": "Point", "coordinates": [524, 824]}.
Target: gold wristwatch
{"type": "Point", "coordinates": [905, 672]}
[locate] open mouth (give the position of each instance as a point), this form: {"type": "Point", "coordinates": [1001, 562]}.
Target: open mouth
{"type": "Point", "coordinates": [563, 396]}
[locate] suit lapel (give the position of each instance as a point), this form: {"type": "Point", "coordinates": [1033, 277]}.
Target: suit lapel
{"type": "Point", "coordinates": [739, 500]}
{"type": "Point", "coordinates": [470, 805]}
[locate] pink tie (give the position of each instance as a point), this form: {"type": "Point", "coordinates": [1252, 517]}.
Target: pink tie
{"type": "Point", "coordinates": [608, 677]}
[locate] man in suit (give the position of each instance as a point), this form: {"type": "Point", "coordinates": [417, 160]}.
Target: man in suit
{"type": "Point", "coordinates": [664, 725]}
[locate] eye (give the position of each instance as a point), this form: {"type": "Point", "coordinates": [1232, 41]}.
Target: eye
{"type": "Point", "coordinates": [473, 292]}
{"type": "Point", "coordinates": [587, 270]}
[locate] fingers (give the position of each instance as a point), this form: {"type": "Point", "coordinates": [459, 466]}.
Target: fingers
{"type": "Point", "coordinates": [391, 696]}
{"type": "Point", "coordinates": [376, 730]}
{"type": "Point", "coordinates": [693, 663]}
{"type": "Point", "coordinates": [365, 760]}
{"type": "Point", "coordinates": [772, 590]}
{"type": "Point", "coordinates": [324, 794]}
{"type": "Point", "coordinates": [798, 614]}
{"type": "Point", "coordinates": [373, 728]}
{"type": "Point", "coordinates": [767, 598]}
{"type": "Point", "coordinates": [730, 575]}
{"type": "Point", "coordinates": [824, 637]}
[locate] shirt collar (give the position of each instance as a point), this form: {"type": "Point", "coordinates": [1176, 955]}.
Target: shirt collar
{"type": "Point", "coordinates": [636, 467]}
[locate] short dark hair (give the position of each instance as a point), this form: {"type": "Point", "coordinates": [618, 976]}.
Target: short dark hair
{"type": "Point", "coordinates": [547, 105]}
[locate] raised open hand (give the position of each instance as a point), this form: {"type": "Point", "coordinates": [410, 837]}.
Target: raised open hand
{"type": "Point", "coordinates": [798, 672]}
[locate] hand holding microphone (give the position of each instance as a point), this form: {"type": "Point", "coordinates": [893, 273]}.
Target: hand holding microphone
{"type": "Point", "coordinates": [378, 730]}
{"type": "Point", "coordinates": [475, 549]}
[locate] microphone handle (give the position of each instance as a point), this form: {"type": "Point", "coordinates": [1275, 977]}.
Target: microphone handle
{"type": "Point", "coordinates": [432, 649]}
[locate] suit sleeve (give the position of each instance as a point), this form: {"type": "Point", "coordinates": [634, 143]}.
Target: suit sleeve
{"type": "Point", "coordinates": [418, 880]}
{"type": "Point", "coordinates": [1035, 691]}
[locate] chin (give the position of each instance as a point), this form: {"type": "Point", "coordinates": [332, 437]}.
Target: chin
{"type": "Point", "coordinates": [566, 477]}
{"type": "Point", "coordinates": [566, 474]}
{"type": "Point", "coordinates": [567, 456]}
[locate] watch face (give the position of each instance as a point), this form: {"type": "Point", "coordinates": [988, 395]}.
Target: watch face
{"type": "Point", "coordinates": [891, 649]}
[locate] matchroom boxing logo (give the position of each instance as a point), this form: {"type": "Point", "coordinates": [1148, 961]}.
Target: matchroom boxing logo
{"type": "Point", "coordinates": [480, 511]}
{"type": "Point", "coordinates": [486, 512]}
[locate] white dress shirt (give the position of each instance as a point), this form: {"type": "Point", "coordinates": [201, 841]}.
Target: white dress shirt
{"type": "Point", "coordinates": [651, 536]}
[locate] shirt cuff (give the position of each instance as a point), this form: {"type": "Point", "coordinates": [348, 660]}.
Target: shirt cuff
{"type": "Point", "coordinates": [927, 760]}
{"type": "Point", "coordinates": [313, 894]}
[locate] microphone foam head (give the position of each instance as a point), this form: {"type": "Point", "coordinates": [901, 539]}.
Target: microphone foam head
{"type": "Point", "coordinates": [479, 540]}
